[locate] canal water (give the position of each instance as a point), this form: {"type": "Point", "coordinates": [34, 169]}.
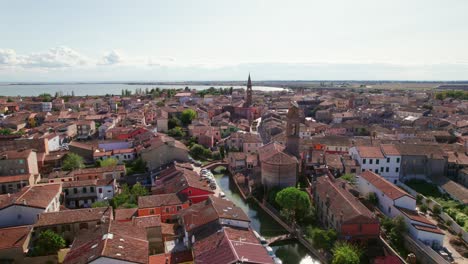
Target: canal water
{"type": "Point", "coordinates": [291, 252]}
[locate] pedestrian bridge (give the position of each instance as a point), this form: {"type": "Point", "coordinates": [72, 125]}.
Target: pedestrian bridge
{"type": "Point", "coordinates": [276, 239]}
{"type": "Point", "coordinates": [214, 165]}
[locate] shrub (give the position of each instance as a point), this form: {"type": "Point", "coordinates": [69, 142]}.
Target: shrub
{"type": "Point", "coordinates": [423, 208]}
{"type": "Point", "coordinates": [419, 198]}
{"type": "Point", "coordinates": [436, 210]}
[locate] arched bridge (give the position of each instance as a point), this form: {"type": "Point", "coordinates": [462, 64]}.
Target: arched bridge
{"type": "Point", "coordinates": [215, 164]}
{"type": "Point", "coordinates": [276, 239]}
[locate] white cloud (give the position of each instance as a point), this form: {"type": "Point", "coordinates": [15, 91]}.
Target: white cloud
{"type": "Point", "coordinates": [59, 57]}
{"type": "Point", "coordinates": [111, 58]}
{"type": "Point", "coordinates": [7, 57]}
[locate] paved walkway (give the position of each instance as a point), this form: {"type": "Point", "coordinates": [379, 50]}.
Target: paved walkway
{"type": "Point", "coordinates": [456, 256]}
{"type": "Point", "coordinates": [218, 190]}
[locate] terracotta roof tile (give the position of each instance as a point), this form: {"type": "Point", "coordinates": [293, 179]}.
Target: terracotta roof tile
{"type": "Point", "coordinates": [370, 152]}
{"type": "Point", "coordinates": [230, 245]}
{"type": "Point", "coordinates": [159, 200]}
{"type": "Point", "coordinates": [342, 203]}
{"type": "Point", "coordinates": [14, 237]}
{"type": "Point", "coordinates": [74, 216]}
{"type": "Point", "coordinates": [385, 186]}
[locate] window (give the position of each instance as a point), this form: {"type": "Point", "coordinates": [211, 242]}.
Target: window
{"type": "Point", "coordinates": [363, 170]}
{"type": "Point", "coordinates": [66, 191]}
{"type": "Point", "coordinates": [190, 192]}
{"type": "Point", "coordinates": [376, 171]}
{"type": "Point", "coordinates": [84, 190]}
{"type": "Point", "coordinates": [371, 161]}
{"type": "Point", "coordinates": [387, 169]}
{"type": "Point", "coordinates": [377, 161]}
{"type": "Point", "coordinates": [167, 209]}
{"type": "Point", "coordinates": [100, 190]}
{"type": "Point", "coordinates": [397, 169]}
{"type": "Point", "coordinates": [151, 211]}
{"type": "Point", "coordinates": [363, 161]}
{"type": "Point", "coordinates": [20, 161]}
{"type": "Point", "coordinates": [91, 189]}
{"type": "Point", "coordinates": [381, 169]}
{"type": "Point", "coordinates": [397, 160]}
{"type": "Point", "coordinates": [83, 225]}
{"type": "Point", "coordinates": [388, 160]}
{"type": "Point", "coordinates": [21, 170]}
{"type": "Point", "coordinates": [75, 190]}
{"type": "Point", "coordinates": [389, 209]}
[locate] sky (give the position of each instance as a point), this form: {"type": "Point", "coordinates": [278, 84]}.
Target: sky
{"type": "Point", "coordinates": [177, 40]}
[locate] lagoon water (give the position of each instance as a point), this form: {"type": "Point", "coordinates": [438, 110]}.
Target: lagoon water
{"type": "Point", "coordinates": [82, 89]}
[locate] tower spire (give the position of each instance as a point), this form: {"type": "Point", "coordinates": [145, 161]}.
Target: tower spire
{"type": "Point", "coordinates": [248, 100]}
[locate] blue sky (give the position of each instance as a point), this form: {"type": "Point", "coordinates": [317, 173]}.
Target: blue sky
{"type": "Point", "coordinates": [224, 40]}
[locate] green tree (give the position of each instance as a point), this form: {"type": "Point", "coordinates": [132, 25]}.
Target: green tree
{"type": "Point", "coordinates": [293, 200]}
{"type": "Point", "coordinates": [372, 198]}
{"type": "Point", "coordinates": [45, 97]}
{"type": "Point", "coordinates": [187, 116]}
{"type": "Point", "coordinates": [323, 239]}
{"type": "Point", "coordinates": [222, 151]}
{"type": "Point", "coordinates": [351, 178]}
{"type": "Point", "coordinates": [345, 253]}
{"type": "Point", "coordinates": [109, 162]}
{"type": "Point", "coordinates": [197, 151]}
{"type": "Point", "coordinates": [436, 210]}
{"type": "Point", "coordinates": [136, 166]}
{"type": "Point", "coordinates": [176, 132]}
{"type": "Point", "coordinates": [423, 208]}
{"type": "Point", "coordinates": [73, 161]}
{"type": "Point", "coordinates": [139, 190]}
{"type": "Point", "coordinates": [419, 198]}
{"type": "Point", "coordinates": [100, 204]}
{"type": "Point", "coordinates": [48, 243]}
{"type": "Point", "coordinates": [174, 122]}
{"type": "Point", "coordinates": [5, 131]}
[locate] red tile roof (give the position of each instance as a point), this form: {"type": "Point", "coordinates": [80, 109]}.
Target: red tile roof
{"type": "Point", "coordinates": [230, 245]}
{"type": "Point", "coordinates": [212, 209]}
{"type": "Point", "coordinates": [114, 240]}
{"type": "Point", "coordinates": [125, 213]}
{"type": "Point", "coordinates": [414, 216]}
{"type": "Point", "coordinates": [390, 150]}
{"type": "Point", "coordinates": [15, 178]}
{"type": "Point", "coordinates": [39, 196]}
{"type": "Point", "coordinates": [147, 221]}
{"type": "Point", "coordinates": [74, 216]}
{"type": "Point", "coordinates": [429, 229]}
{"type": "Point", "coordinates": [172, 258]}
{"type": "Point", "coordinates": [385, 186]}
{"type": "Point", "coordinates": [152, 201]}
{"type": "Point", "coordinates": [370, 152]}
{"type": "Point", "coordinates": [342, 203]}
{"type": "Point", "coordinates": [14, 237]}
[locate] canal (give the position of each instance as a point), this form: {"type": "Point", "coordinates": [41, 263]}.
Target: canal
{"type": "Point", "coordinates": [291, 252]}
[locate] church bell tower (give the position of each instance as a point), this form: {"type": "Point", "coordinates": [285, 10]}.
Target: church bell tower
{"type": "Point", "coordinates": [248, 101]}
{"type": "Point", "coordinates": [292, 130]}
